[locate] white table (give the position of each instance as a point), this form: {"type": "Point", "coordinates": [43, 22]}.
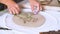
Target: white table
{"type": "Point", "coordinates": [54, 11]}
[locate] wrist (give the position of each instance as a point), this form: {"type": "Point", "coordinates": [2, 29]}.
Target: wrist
{"type": "Point", "coordinates": [32, 0]}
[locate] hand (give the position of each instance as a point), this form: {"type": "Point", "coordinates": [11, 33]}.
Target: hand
{"type": "Point", "coordinates": [34, 3]}
{"type": "Point", "coordinates": [13, 7]}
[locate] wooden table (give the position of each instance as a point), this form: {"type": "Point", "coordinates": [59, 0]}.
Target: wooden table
{"type": "Point", "coordinates": [54, 3]}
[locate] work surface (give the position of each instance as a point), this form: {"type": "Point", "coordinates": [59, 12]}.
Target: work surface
{"type": "Point", "coordinates": [52, 11]}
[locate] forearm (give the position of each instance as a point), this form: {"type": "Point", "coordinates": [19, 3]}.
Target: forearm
{"type": "Point", "coordinates": [5, 1]}
{"type": "Point", "coordinates": [32, 0]}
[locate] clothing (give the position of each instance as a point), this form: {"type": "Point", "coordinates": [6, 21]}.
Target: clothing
{"type": "Point", "coordinates": [2, 6]}
{"type": "Point", "coordinates": [17, 1]}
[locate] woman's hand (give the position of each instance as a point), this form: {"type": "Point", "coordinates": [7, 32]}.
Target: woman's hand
{"type": "Point", "coordinates": [13, 8]}
{"type": "Point", "coordinates": [35, 5]}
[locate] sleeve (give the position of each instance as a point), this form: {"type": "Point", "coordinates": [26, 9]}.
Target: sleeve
{"type": "Point", "coordinates": [17, 1]}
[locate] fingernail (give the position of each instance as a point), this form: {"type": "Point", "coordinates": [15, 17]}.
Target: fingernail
{"type": "Point", "coordinates": [35, 12]}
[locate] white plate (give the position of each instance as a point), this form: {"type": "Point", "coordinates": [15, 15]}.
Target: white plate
{"type": "Point", "coordinates": [48, 25]}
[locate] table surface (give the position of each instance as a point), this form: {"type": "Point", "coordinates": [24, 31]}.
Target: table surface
{"type": "Point", "coordinates": [54, 3]}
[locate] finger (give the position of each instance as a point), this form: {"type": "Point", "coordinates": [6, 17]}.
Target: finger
{"type": "Point", "coordinates": [17, 7]}
{"type": "Point", "coordinates": [43, 8]}
{"type": "Point", "coordinates": [16, 11]}
{"type": "Point", "coordinates": [32, 7]}
{"type": "Point", "coordinates": [13, 10]}
{"type": "Point", "coordinates": [10, 11]}
{"type": "Point", "coordinates": [38, 7]}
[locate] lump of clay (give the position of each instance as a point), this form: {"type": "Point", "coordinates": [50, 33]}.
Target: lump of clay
{"type": "Point", "coordinates": [28, 19]}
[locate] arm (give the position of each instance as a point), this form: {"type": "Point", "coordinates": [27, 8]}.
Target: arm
{"type": "Point", "coordinates": [5, 1]}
